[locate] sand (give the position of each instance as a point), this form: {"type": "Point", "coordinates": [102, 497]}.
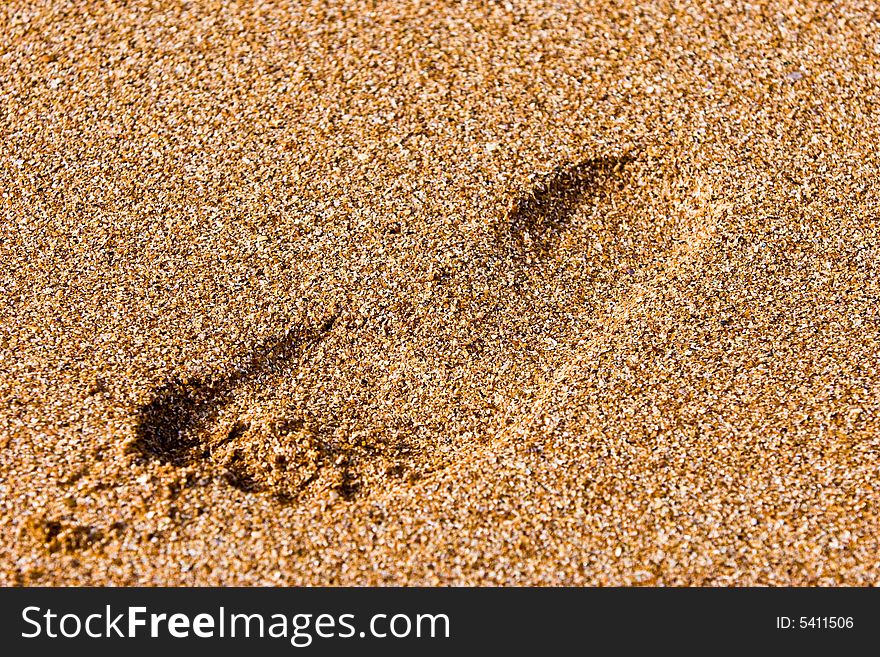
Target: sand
{"type": "Point", "coordinates": [439, 293]}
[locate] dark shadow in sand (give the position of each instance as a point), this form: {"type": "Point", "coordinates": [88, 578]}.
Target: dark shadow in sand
{"type": "Point", "coordinates": [167, 426]}
{"type": "Point", "coordinates": [537, 218]}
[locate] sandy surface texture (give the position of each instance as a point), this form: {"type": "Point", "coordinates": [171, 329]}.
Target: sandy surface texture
{"type": "Point", "coordinates": [439, 293]}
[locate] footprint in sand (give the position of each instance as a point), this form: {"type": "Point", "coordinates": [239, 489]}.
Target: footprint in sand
{"type": "Point", "coordinates": [450, 386]}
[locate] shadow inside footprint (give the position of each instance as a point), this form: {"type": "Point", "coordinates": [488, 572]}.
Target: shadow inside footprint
{"type": "Point", "coordinates": [168, 425]}
{"type": "Point", "coordinates": [536, 218]}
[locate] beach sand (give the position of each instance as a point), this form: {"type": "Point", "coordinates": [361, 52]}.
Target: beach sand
{"type": "Point", "coordinates": [439, 293]}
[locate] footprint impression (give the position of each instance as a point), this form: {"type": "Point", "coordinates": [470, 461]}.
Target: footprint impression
{"type": "Point", "coordinates": [356, 401]}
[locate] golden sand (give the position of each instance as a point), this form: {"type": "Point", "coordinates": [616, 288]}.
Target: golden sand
{"type": "Point", "coordinates": [439, 293]}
